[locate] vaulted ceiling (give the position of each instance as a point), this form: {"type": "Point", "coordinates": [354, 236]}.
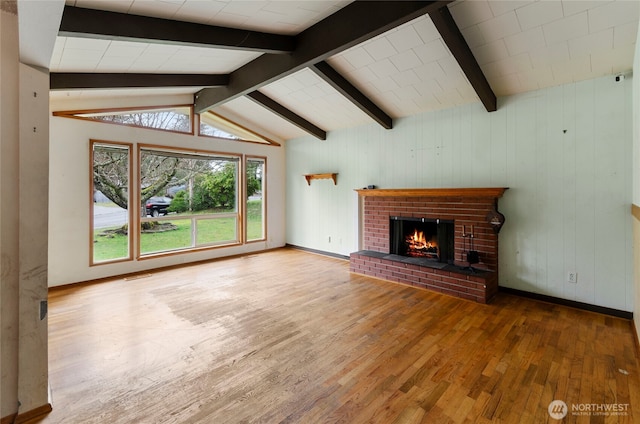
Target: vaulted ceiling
{"type": "Point", "coordinates": [292, 68]}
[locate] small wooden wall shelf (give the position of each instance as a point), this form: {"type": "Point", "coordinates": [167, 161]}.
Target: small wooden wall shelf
{"type": "Point", "coordinates": [327, 176]}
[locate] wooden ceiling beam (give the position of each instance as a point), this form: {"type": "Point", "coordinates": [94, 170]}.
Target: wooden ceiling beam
{"type": "Point", "coordinates": [349, 26]}
{"type": "Point", "coordinates": [344, 87]}
{"type": "Point", "coordinates": [458, 46]}
{"type": "Point", "coordinates": [105, 25]}
{"type": "Point", "coordinates": [287, 114]}
{"type": "Point", "coordinates": [86, 80]}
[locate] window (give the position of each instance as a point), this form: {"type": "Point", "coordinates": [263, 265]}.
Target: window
{"type": "Point", "coordinates": [167, 118]}
{"type": "Point", "coordinates": [172, 118]}
{"type": "Point", "coordinates": [188, 200]}
{"type": "Point", "coordinates": [255, 190]}
{"type": "Point", "coordinates": [214, 125]}
{"type": "Point", "coordinates": [181, 199]}
{"type": "Point", "coordinates": [208, 127]}
{"type": "Point", "coordinates": [110, 215]}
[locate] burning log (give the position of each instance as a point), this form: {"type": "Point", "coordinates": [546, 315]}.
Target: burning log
{"type": "Point", "coordinates": [418, 245]}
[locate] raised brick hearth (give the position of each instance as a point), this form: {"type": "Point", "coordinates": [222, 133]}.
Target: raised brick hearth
{"type": "Point", "coordinates": [468, 208]}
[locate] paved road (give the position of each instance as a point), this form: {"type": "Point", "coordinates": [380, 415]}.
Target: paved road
{"type": "Point", "coordinates": [104, 217]}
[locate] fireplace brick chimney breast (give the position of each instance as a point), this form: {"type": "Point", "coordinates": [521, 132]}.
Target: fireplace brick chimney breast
{"type": "Point", "coordinates": [468, 208]}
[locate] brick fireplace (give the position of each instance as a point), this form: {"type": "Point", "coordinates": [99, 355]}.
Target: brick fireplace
{"type": "Point", "coordinates": [472, 211]}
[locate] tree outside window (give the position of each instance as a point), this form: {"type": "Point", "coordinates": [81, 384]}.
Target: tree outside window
{"type": "Point", "coordinates": [111, 175]}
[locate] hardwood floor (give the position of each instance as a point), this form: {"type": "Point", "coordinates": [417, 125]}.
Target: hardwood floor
{"type": "Point", "coordinates": [289, 336]}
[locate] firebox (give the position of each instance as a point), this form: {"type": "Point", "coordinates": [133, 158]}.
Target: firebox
{"type": "Point", "coordinates": [430, 239]}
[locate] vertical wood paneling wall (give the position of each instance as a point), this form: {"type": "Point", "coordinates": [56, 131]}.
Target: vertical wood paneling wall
{"type": "Point", "coordinates": [564, 152]}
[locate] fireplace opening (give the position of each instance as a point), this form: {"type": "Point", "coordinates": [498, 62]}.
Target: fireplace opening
{"type": "Point", "coordinates": [430, 239]}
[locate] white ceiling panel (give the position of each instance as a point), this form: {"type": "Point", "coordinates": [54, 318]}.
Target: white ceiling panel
{"type": "Point", "coordinates": [546, 56]}
{"type": "Point", "coordinates": [404, 83]}
{"type": "Point", "coordinates": [612, 14]}
{"type": "Point", "coordinates": [538, 13]}
{"type": "Point", "coordinates": [471, 13]}
{"type": "Point", "coordinates": [625, 34]}
{"type": "Point", "coordinates": [499, 27]}
{"type": "Point", "coordinates": [310, 97]}
{"type": "Point", "coordinates": [380, 48]}
{"type": "Point", "coordinates": [251, 115]}
{"type": "Point", "coordinates": [591, 43]}
{"type": "Point", "coordinates": [519, 45]}
{"type": "Point", "coordinates": [491, 52]}
{"type": "Point", "coordinates": [432, 51]}
{"type": "Point", "coordinates": [575, 7]}
{"type": "Point", "coordinates": [145, 57]}
{"type": "Point", "coordinates": [425, 29]}
{"type": "Point", "coordinates": [282, 17]}
{"type": "Point", "coordinates": [522, 42]}
{"type": "Point", "coordinates": [555, 42]}
{"type": "Point", "coordinates": [566, 29]}
{"type": "Point", "coordinates": [122, 6]}
{"type": "Point", "coordinates": [356, 58]}
{"type": "Point", "coordinates": [156, 9]}
{"type": "Point", "coordinates": [123, 93]}
{"type": "Point", "coordinates": [198, 11]}
{"type": "Point", "coordinates": [501, 7]}
{"type": "Point", "coordinates": [620, 60]}
{"type": "Point", "coordinates": [406, 37]}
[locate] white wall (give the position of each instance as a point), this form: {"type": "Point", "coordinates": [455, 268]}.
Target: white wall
{"type": "Point", "coordinates": [9, 212]}
{"type": "Point", "coordinates": [33, 191]}
{"type": "Point", "coordinates": [636, 124]}
{"type": "Point", "coordinates": [70, 197]}
{"type": "Point", "coordinates": [636, 184]}
{"type": "Point", "coordinates": [564, 152]}
{"type": "Point", "coordinates": [23, 231]}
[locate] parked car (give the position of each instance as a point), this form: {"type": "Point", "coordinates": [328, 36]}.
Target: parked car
{"type": "Point", "coordinates": [158, 205]}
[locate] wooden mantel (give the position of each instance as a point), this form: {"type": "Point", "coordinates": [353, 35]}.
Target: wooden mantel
{"type": "Point", "coordinates": [494, 192]}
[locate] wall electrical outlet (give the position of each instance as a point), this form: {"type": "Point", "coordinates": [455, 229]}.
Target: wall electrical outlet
{"type": "Point", "coordinates": [572, 277]}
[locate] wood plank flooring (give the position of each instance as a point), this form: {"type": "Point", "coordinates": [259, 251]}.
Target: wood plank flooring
{"type": "Point", "coordinates": [287, 336]}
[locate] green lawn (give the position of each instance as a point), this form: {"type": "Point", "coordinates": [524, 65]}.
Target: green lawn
{"type": "Point", "coordinates": [254, 220]}
{"type": "Point", "coordinates": [215, 230]}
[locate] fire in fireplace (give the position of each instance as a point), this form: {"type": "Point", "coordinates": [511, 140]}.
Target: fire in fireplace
{"type": "Point", "coordinates": [431, 239]}
{"type": "Point", "coordinates": [420, 246]}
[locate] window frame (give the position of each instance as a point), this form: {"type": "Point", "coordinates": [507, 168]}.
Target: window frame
{"type": "Point", "coordinates": [238, 214]}
{"type": "Point", "coordinates": [194, 123]}
{"type": "Point", "coordinates": [248, 158]}
{"type": "Point", "coordinates": [266, 141]}
{"type": "Point", "coordinates": [130, 237]}
{"type": "Point", "coordinates": [74, 114]}
{"type": "Point", "coordinates": [134, 238]}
